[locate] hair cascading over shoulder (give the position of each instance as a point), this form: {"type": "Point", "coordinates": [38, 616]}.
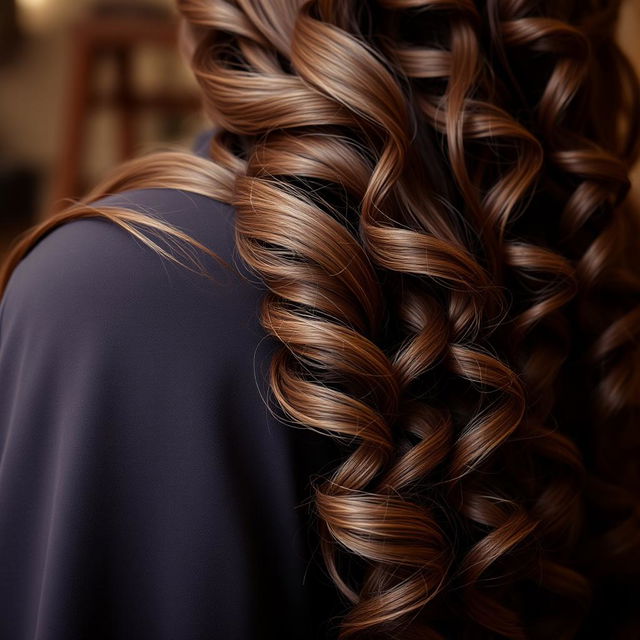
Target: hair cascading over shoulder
{"type": "Point", "coordinates": [435, 194]}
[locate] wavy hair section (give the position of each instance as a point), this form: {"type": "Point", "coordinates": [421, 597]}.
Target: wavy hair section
{"type": "Point", "coordinates": [434, 193]}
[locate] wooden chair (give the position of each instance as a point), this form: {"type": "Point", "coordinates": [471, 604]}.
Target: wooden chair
{"type": "Point", "coordinates": [110, 32]}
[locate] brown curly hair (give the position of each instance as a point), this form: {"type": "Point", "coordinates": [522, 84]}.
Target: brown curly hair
{"type": "Point", "coordinates": [434, 193]}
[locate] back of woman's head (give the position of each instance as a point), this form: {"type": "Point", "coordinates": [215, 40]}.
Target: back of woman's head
{"type": "Point", "coordinates": [435, 194]}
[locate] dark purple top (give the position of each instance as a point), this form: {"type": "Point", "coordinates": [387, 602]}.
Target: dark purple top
{"type": "Point", "coordinates": [146, 490]}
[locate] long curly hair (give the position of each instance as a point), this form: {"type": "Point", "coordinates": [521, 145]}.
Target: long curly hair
{"type": "Point", "coordinates": [435, 194]}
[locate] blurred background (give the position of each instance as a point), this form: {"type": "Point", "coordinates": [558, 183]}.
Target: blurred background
{"type": "Point", "coordinates": [85, 84]}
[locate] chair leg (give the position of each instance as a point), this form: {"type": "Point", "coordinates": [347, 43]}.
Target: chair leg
{"type": "Point", "coordinates": [125, 102]}
{"type": "Point", "coordinates": [66, 175]}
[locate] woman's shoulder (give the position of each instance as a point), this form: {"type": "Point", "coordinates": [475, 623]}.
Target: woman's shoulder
{"type": "Point", "coordinates": [138, 452]}
{"type": "Point", "coordinates": [91, 271]}
{"type": "Point", "coordinates": [84, 239]}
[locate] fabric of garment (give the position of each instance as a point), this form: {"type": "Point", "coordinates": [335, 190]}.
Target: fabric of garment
{"type": "Point", "coordinates": [147, 488]}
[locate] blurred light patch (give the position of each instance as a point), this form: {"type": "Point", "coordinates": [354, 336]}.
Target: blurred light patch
{"type": "Point", "coordinates": [34, 14]}
{"type": "Point", "coordinates": [42, 15]}
{"type": "Point", "coordinates": [32, 5]}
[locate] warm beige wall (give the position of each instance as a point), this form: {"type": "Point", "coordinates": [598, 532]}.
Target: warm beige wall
{"type": "Point", "coordinates": [629, 38]}
{"type": "Point", "coordinates": [628, 30]}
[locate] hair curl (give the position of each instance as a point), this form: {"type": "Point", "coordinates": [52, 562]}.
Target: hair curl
{"type": "Point", "coordinates": [435, 194]}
